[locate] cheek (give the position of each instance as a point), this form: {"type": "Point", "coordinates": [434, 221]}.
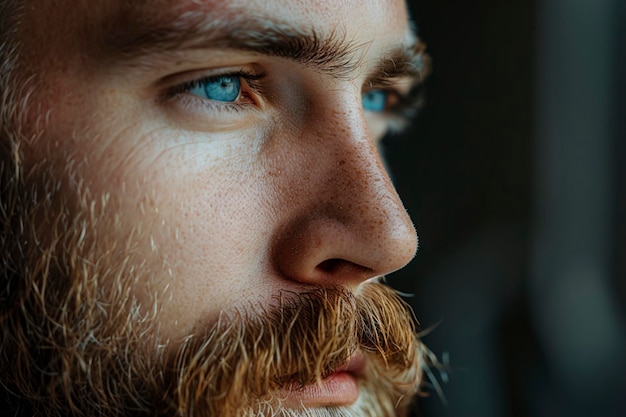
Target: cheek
{"type": "Point", "coordinates": [191, 206]}
{"type": "Point", "coordinates": [212, 232]}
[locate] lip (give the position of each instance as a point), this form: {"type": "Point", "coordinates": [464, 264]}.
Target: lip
{"type": "Point", "coordinates": [341, 388]}
{"type": "Point", "coordinates": [355, 365]}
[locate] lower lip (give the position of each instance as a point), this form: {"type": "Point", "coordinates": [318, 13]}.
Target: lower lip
{"type": "Point", "coordinates": [340, 388]}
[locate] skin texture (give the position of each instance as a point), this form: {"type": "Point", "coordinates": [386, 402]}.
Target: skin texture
{"type": "Point", "coordinates": [238, 213]}
{"type": "Point", "coordinates": [183, 212]}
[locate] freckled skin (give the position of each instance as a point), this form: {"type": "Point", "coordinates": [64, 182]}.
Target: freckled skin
{"type": "Point", "coordinates": [240, 213]}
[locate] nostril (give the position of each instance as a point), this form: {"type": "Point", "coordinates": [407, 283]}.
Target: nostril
{"type": "Point", "coordinates": [341, 266]}
{"type": "Point", "coordinates": [330, 265]}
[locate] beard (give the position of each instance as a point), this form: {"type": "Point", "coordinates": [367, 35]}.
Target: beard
{"type": "Point", "coordinates": [78, 340]}
{"type": "Point", "coordinates": [238, 366]}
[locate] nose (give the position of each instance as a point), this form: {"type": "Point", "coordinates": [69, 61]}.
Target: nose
{"type": "Point", "coordinates": [344, 220]}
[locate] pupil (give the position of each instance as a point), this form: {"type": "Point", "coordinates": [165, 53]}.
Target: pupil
{"type": "Point", "coordinates": [223, 88]}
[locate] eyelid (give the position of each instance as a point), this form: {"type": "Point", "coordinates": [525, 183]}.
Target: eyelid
{"type": "Point", "coordinates": [181, 83]}
{"type": "Point", "coordinates": [199, 113]}
{"type": "Point", "coordinates": [397, 94]}
{"type": "Point", "coordinates": [409, 99]}
{"type": "Point", "coordinates": [402, 85]}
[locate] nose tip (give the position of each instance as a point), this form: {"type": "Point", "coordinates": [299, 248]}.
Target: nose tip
{"type": "Point", "coordinates": [329, 252]}
{"type": "Point", "coordinates": [352, 225]}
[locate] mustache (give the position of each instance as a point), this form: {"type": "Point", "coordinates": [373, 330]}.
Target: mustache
{"type": "Point", "coordinates": [245, 359]}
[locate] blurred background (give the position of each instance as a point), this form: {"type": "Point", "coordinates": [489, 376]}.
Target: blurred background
{"type": "Point", "coordinates": [514, 175]}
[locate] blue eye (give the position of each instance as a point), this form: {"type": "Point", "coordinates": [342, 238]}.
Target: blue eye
{"type": "Point", "coordinates": [375, 100]}
{"type": "Point", "coordinates": [224, 88]}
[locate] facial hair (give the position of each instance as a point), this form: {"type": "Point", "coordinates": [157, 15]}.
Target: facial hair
{"type": "Point", "coordinates": [77, 340]}
{"type": "Point", "coordinates": [235, 368]}
{"type": "Point", "coordinates": [245, 362]}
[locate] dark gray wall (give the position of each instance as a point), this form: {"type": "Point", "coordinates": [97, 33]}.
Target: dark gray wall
{"type": "Point", "coordinates": [513, 174]}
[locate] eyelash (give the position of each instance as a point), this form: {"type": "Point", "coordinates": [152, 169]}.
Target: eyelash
{"type": "Point", "coordinates": [403, 109]}
{"type": "Point", "coordinates": [250, 82]}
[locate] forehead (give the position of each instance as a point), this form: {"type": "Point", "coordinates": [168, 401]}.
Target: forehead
{"type": "Point", "coordinates": [76, 22]}
{"type": "Point", "coordinates": [331, 13]}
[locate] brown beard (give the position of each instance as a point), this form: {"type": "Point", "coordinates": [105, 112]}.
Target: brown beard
{"type": "Point", "coordinates": [238, 367]}
{"type": "Point", "coordinates": [77, 342]}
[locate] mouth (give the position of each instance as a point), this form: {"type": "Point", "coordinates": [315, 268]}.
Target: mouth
{"type": "Point", "coordinates": [340, 388]}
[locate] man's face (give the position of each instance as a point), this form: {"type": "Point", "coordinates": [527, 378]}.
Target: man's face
{"type": "Point", "coordinates": [219, 158]}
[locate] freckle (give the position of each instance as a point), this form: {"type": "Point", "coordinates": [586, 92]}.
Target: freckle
{"type": "Point", "coordinates": [342, 162]}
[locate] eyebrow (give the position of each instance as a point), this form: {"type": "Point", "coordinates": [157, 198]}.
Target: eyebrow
{"type": "Point", "coordinates": [404, 61]}
{"type": "Point", "coordinates": [136, 42]}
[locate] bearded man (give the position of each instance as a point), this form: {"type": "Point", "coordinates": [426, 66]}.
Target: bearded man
{"type": "Point", "coordinates": [195, 217]}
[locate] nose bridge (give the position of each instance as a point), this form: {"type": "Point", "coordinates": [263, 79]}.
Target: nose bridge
{"type": "Point", "coordinates": [357, 175]}
{"type": "Point", "coordinates": [350, 224]}
{"type": "Point", "coordinates": [362, 191]}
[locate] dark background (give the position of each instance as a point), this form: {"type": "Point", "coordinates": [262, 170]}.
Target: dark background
{"type": "Point", "coordinates": [513, 174]}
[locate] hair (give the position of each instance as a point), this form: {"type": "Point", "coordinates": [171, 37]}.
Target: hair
{"type": "Point", "coordinates": [11, 176]}
{"type": "Point", "coordinates": [10, 170]}
{"type": "Point", "coordinates": [10, 11]}
{"type": "Point", "coordinates": [9, 103]}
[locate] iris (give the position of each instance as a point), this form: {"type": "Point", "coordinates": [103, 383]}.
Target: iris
{"type": "Point", "coordinates": [375, 100]}
{"type": "Point", "coordinates": [224, 88]}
